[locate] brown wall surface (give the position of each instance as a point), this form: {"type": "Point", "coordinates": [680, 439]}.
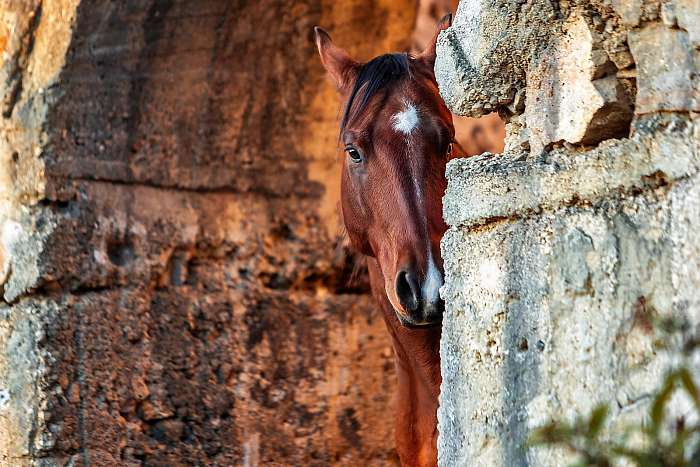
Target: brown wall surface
{"type": "Point", "coordinates": [176, 289]}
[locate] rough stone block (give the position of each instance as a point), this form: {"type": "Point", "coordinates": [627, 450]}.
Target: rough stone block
{"type": "Point", "coordinates": [510, 330]}
{"type": "Point", "coordinates": [482, 57]}
{"type": "Point", "coordinates": [548, 260]}
{"type": "Point", "coordinates": [552, 255]}
{"type": "Point", "coordinates": [542, 321]}
{"type": "Point", "coordinates": [567, 101]}
{"type": "Point", "coordinates": [666, 69]}
{"type": "Point", "coordinates": [515, 184]}
{"type": "Point", "coordinates": [688, 18]}
{"type": "Point", "coordinates": [630, 11]}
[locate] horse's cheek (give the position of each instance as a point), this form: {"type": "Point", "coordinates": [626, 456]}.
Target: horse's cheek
{"type": "Point", "coordinates": [355, 220]}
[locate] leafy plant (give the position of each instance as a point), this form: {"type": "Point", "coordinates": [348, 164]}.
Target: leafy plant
{"type": "Point", "coordinates": [657, 443]}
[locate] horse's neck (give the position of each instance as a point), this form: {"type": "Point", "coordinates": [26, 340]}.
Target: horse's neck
{"type": "Point", "coordinates": [417, 351]}
{"type": "Point", "coordinates": [417, 356]}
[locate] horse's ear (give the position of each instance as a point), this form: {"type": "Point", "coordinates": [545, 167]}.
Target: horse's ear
{"type": "Point", "coordinates": [429, 53]}
{"type": "Point", "coordinates": [341, 67]}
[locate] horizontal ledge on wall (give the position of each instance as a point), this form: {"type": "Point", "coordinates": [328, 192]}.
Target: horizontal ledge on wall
{"type": "Point", "coordinates": [491, 187]}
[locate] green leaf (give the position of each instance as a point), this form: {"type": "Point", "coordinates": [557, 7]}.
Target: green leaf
{"type": "Point", "coordinates": [597, 420]}
{"type": "Point", "coordinates": [681, 448]}
{"type": "Point", "coordinates": [553, 433]}
{"type": "Point", "coordinates": [690, 387]}
{"type": "Point", "coordinates": [658, 408]}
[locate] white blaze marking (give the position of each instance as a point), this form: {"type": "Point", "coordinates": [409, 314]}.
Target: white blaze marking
{"type": "Point", "coordinates": [406, 120]}
{"type": "Point", "coordinates": [433, 281]}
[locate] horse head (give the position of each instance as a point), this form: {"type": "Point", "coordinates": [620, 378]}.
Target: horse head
{"type": "Point", "coordinates": [398, 136]}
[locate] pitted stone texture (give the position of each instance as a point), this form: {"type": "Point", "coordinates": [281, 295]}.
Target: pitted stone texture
{"type": "Point", "coordinates": [24, 367]}
{"type": "Point", "coordinates": [688, 18]}
{"type": "Point", "coordinates": [34, 39]}
{"type": "Point", "coordinates": [541, 324]}
{"type": "Point", "coordinates": [555, 248]}
{"type": "Point", "coordinates": [24, 244]}
{"type": "Point", "coordinates": [550, 262]}
{"type": "Point", "coordinates": [667, 69]}
{"type": "Point", "coordinates": [630, 11]}
{"type": "Point", "coordinates": [166, 335]}
{"type": "Point", "coordinates": [260, 356]}
{"type": "Point", "coordinates": [516, 184]}
{"type": "Point", "coordinates": [562, 58]}
{"type": "Point", "coordinates": [570, 98]}
{"type": "Point", "coordinates": [482, 58]}
{"type": "Point", "coordinates": [682, 13]}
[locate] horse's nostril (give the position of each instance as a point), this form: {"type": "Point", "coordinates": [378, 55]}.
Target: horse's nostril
{"type": "Point", "coordinates": [407, 290]}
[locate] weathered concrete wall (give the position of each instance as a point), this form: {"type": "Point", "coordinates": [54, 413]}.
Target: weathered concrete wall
{"type": "Point", "coordinates": [175, 291]}
{"type": "Point", "coordinates": [586, 223]}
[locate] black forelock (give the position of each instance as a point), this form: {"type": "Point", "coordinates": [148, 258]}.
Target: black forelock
{"type": "Point", "coordinates": [375, 75]}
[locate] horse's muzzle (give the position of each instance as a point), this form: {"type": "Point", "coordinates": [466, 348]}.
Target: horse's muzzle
{"type": "Point", "coordinates": [434, 318]}
{"type": "Point", "coordinates": [421, 308]}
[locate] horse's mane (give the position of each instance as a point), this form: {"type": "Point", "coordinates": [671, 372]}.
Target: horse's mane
{"type": "Point", "coordinates": [375, 75]}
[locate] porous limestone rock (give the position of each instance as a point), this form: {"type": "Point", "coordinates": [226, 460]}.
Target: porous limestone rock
{"type": "Point", "coordinates": [555, 62]}
{"type": "Point", "coordinates": [547, 266]}
{"type": "Point", "coordinates": [630, 11]}
{"type": "Point", "coordinates": [666, 69]}
{"type": "Point", "coordinates": [560, 249]}
{"type": "Point", "coordinates": [483, 57]}
{"type": "Point", "coordinates": [687, 14]}
{"type": "Point", "coordinates": [570, 95]}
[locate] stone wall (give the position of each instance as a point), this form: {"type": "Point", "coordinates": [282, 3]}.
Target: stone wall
{"type": "Point", "coordinates": [175, 288]}
{"type": "Point", "coordinates": [560, 249]}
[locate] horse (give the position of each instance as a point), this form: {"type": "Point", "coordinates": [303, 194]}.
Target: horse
{"type": "Point", "coordinates": [398, 136]}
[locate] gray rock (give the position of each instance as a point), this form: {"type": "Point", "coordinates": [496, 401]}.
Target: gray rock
{"type": "Point", "coordinates": [563, 253]}
{"type": "Point", "coordinates": [666, 69]}
{"type": "Point", "coordinates": [589, 219]}
{"type": "Point", "coordinates": [482, 58]}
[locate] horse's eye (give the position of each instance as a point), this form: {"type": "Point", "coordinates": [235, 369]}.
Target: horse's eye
{"type": "Point", "coordinates": [354, 154]}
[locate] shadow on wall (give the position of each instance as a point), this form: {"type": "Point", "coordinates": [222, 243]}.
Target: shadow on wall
{"type": "Point", "coordinates": [475, 135]}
